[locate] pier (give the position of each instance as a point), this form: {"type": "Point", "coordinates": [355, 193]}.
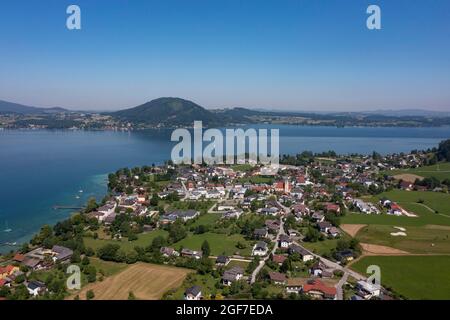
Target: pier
{"type": "Point", "coordinates": [67, 208]}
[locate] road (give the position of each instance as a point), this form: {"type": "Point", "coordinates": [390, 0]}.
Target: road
{"type": "Point", "coordinates": [339, 291]}
{"type": "Point", "coordinates": [275, 247]}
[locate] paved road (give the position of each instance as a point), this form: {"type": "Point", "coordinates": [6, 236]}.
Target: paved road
{"type": "Point", "coordinates": [275, 247]}
{"type": "Point", "coordinates": [339, 291]}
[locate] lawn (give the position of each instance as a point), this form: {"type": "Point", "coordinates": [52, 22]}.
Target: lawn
{"type": "Point", "coordinates": [321, 247]}
{"type": "Point", "coordinates": [441, 171]}
{"type": "Point", "coordinates": [242, 167]}
{"type": "Point", "coordinates": [415, 277]}
{"type": "Point", "coordinates": [207, 219]}
{"type": "Point", "coordinates": [207, 282]}
{"type": "Point", "coordinates": [143, 240]}
{"type": "Point", "coordinates": [234, 263]}
{"type": "Point", "coordinates": [431, 239]}
{"type": "Point", "coordinates": [108, 268]}
{"type": "Point", "coordinates": [257, 180]}
{"type": "Point", "coordinates": [219, 243]}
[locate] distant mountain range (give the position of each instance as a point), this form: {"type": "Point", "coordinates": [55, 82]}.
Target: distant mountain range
{"type": "Point", "coordinates": [10, 107]}
{"type": "Point", "coordinates": [167, 112]}
{"type": "Point", "coordinates": [176, 112]}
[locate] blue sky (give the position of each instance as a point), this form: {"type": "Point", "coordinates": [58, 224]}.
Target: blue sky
{"type": "Point", "coordinates": [276, 54]}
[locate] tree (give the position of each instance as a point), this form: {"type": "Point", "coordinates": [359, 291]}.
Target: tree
{"type": "Point", "coordinates": [177, 231]}
{"type": "Point", "coordinates": [85, 261]}
{"type": "Point", "coordinates": [91, 273]}
{"type": "Point", "coordinates": [131, 296]}
{"type": "Point", "coordinates": [205, 265]}
{"type": "Point", "coordinates": [154, 200]}
{"type": "Point", "coordinates": [286, 266]}
{"type": "Point", "coordinates": [206, 249]}
{"type": "Point", "coordinates": [443, 152]}
{"type": "Point", "coordinates": [157, 243]}
{"type": "Point", "coordinates": [108, 252]}
{"type": "Point", "coordinates": [75, 257]}
{"type": "Point", "coordinates": [90, 295]}
{"type": "Point", "coordinates": [91, 205]}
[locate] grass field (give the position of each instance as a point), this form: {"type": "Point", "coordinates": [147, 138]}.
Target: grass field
{"type": "Point", "coordinates": [207, 219]}
{"type": "Point", "coordinates": [207, 282]}
{"type": "Point", "coordinates": [242, 167]}
{"type": "Point", "coordinates": [418, 240]}
{"type": "Point", "coordinates": [143, 240]}
{"type": "Point", "coordinates": [441, 171]}
{"type": "Point", "coordinates": [219, 243]}
{"type": "Point", "coordinates": [107, 267]}
{"type": "Point", "coordinates": [257, 179]}
{"type": "Point", "coordinates": [146, 281]}
{"type": "Point", "coordinates": [415, 277]}
{"type": "Point", "coordinates": [321, 247]}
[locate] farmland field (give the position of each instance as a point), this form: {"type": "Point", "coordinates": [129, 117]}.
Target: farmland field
{"type": "Point", "coordinates": [441, 171]}
{"type": "Point", "coordinates": [146, 281]}
{"type": "Point", "coordinates": [414, 277]}
{"type": "Point", "coordinates": [219, 243]}
{"type": "Point", "coordinates": [143, 240]}
{"type": "Point", "coordinates": [417, 239]}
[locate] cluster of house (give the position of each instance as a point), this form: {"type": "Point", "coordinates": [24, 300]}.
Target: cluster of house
{"type": "Point", "coordinates": [37, 259]}
{"type": "Point", "coordinates": [392, 207]}
{"type": "Point", "coordinates": [184, 215]}
{"type": "Point", "coordinates": [135, 205]}
{"type": "Point", "coordinates": [365, 207]}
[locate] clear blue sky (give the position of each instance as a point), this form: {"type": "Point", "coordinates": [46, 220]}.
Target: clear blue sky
{"type": "Point", "coordinates": [278, 54]}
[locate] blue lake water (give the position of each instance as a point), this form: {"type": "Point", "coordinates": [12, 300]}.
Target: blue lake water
{"type": "Point", "coordinates": [41, 169]}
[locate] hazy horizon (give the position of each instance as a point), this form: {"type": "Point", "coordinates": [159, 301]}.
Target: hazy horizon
{"type": "Point", "coordinates": [311, 56]}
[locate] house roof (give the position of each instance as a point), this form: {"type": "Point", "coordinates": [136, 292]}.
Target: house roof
{"type": "Point", "coordinates": [278, 258]}
{"type": "Point", "coordinates": [195, 290]}
{"type": "Point", "coordinates": [297, 249]}
{"type": "Point", "coordinates": [261, 245]}
{"type": "Point", "coordinates": [317, 285]}
{"type": "Point", "coordinates": [222, 259]}
{"type": "Point", "coordinates": [295, 282]}
{"type": "Point", "coordinates": [62, 252]}
{"type": "Point", "coordinates": [276, 276]}
{"type": "Point", "coordinates": [19, 257]}
{"type": "Point", "coordinates": [31, 262]}
{"type": "Point", "coordinates": [260, 232]}
{"type": "Point", "coordinates": [285, 238]}
{"type": "Point", "coordinates": [33, 285]}
{"type": "Point", "coordinates": [2, 282]}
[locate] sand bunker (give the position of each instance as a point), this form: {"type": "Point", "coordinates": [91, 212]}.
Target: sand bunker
{"type": "Point", "coordinates": [374, 249]}
{"type": "Point", "coordinates": [352, 229]}
{"type": "Point", "coordinates": [398, 234]}
{"type": "Point", "coordinates": [400, 228]}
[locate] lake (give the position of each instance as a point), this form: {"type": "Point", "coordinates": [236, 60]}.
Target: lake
{"type": "Point", "coordinates": [40, 169]}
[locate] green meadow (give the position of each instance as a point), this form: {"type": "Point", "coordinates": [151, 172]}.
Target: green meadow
{"type": "Point", "coordinates": [440, 171]}
{"type": "Point", "coordinates": [414, 277]}
{"type": "Point", "coordinates": [219, 243]}
{"type": "Point", "coordinates": [430, 239]}
{"type": "Point", "coordinates": [143, 240]}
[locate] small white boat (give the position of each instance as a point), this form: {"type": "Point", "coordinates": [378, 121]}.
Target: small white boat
{"type": "Point", "coordinates": [7, 229]}
{"type": "Point", "coordinates": [81, 191]}
{"type": "Point", "coordinates": [77, 197]}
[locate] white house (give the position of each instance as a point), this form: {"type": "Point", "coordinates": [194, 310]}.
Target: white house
{"type": "Point", "coordinates": [193, 293]}
{"type": "Point", "coordinates": [260, 249]}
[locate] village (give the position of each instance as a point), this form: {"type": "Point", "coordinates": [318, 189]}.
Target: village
{"type": "Point", "coordinates": [247, 234]}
